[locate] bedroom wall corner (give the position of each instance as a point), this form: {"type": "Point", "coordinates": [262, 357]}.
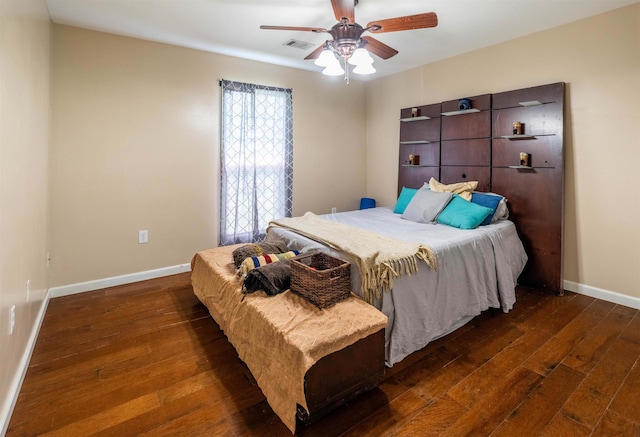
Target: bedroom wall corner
{"type": "Point", "coordinates": [24, 226]}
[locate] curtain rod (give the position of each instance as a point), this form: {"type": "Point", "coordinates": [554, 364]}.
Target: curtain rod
{"type": "Point", "coordinates": [269, 86]}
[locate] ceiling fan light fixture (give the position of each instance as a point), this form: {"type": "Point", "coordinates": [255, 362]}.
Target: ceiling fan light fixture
{"type": "Point", "coordinates": [326, 58]}
{"type": "Point", "coordinates": [364, 69]}
{"type": "Point", "coordinates": [361, 56]}
{"type": "Point", "coordinates": [347, 45]}
{"type": "Point", "coordinates": [333, 69]}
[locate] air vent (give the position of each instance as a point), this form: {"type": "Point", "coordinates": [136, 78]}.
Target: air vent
{"type": "Point", "coordinates": [298, 44]}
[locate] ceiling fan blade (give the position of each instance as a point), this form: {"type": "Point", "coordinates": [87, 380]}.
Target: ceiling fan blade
{"type": "Point", "coordinates": [378, 48]}
{"type": "Point", "coordinates": [314, 54]}
{"type": "Point", "coordinates": [343, 8]}
{"type": "Point", "coordinates": [302, 29]}
{"type": "Point", "coordinates": [419, 21]}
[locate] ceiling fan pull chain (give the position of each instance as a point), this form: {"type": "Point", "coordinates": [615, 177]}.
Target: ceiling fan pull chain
{"type": "Point", "coordinates": [346, 71]}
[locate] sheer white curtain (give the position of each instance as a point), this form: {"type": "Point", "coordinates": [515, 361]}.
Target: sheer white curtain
{"type": "Point", "coordinates": [256, 160]}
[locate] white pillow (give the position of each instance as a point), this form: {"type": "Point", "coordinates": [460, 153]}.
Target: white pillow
{"type": "Point", "coordinates": [502, 212]}
{"type": "Point", "coordinates": [426, 205]}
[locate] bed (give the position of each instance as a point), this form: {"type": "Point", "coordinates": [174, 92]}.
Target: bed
{"type": "Point", "coordinates": [308, 361]}
{"type": "Point", "coordinates": [468, 271]}
{"type": "Point", "coordinates": [476, 269]}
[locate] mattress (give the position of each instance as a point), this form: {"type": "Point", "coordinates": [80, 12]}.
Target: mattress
{"type": "Point", "coordinates": [476, 270]}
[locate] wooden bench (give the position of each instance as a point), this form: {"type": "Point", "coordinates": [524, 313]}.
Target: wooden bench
{"type": "Point", "coordinates": [307, 361]}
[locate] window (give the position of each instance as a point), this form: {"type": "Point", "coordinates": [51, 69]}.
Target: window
{"type": "Point", "coordinates": [256, 160]}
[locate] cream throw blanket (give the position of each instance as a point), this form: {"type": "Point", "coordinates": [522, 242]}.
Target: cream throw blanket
{"type": "Point", "coordinates": [380, 259]}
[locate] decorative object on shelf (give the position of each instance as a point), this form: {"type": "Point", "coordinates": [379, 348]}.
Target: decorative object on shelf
{"type": "Point", "coordinates": [464, 104]}
{"type": "Point", "coordinates": [414, 159]}
{"type": "Point", "coordinates": [367, 202]}
{"type": "Point", "coordinates": [415, 112]}
{"type": "Point", "coordinates": [518, 128]}
{"type": "Point", "coordinates": [525, 159]}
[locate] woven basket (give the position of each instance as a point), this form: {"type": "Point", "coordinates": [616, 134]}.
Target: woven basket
{"type": "Point", "coordinates": [321, 279]}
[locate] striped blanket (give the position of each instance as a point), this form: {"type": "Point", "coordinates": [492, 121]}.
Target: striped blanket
{"type": "Point", "coordinates": [254, 262]}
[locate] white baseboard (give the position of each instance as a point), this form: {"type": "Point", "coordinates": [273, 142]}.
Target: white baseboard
{"type": "Point", "coordinates": [14, 388]}
{"type": "Point", "coordinates": [81, 287]}
{"type": "Point", "coordinates": [609, 296]}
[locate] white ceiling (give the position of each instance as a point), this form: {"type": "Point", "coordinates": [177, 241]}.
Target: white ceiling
{"type": "Point", "coordinates": [231, 27]}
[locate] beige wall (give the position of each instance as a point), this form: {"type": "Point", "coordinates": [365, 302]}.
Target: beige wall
{"type": "Point", "coordinates": [599, 59]}
{"type": "Point", "coordinates": [24, 138]}
{"type": "Point", "coordinates": [135, 145]}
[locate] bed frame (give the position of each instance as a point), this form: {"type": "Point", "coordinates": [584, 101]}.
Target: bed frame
{"type": "Point", "coordinates": [455, 145]}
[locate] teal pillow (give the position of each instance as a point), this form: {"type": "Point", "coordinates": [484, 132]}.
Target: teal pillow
{"type": "Point", "coordinates": [403, 200]}
{"type": "Point", "coordinates": [463, 214]}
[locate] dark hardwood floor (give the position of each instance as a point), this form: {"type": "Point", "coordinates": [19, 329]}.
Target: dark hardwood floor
{"type": "Point", "coordinates": [147, 358]}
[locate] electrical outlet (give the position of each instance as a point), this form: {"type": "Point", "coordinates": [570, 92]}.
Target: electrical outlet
{"type": "Point", "coordinates": [12, 319]}
{"type": "Point", "coordinates": [28, 290]}
{"type": "Point", "coordinates": [334, 210]}
{"type": "Point", "coordinates": [143, 237]}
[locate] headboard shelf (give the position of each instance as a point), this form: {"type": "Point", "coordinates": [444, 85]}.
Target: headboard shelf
{"type": "Point", "coordinates": [479, 144]}
{"type": "Point", "coordinates": [416, 142]}
{"type": "Point", "coordinates": [527, 104]}
{"type": "Point", "coordinates": [518, 137]}
{"type": "Point", "coordinates": [420, 113]}
{"type": "Point", "coordinates": [449, 140]}
{"type": "Point", "coordinates": [544, 94]}
{"type": "Point", "coordinates": [530, 103]}
{"type": "Point", "coordinates": [418, 118]}
{"type": "Point", "coordinates": [459, 112]}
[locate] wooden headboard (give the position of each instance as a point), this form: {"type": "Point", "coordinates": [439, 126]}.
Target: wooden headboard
{"type": "Point", "coordinates": [454, 144]}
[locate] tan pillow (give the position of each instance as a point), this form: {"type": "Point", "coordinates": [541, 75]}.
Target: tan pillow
{"type": "Point", "coordinates": [462, 189]}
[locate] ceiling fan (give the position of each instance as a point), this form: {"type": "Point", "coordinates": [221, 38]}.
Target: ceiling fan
{"type": "Point", "coordinates": [350, 46]}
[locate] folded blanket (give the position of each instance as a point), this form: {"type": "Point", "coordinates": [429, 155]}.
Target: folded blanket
{"type": "Point", "coordinates": [258, 261]}
{"type": "Point", "coordinates": [273, 278]}
{"type": "Point", "coordinates": [257, 249]}
{"type": "Point", "coordinates": [379, 258]}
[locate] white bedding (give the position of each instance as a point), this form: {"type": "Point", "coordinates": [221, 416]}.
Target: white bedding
{"type": "Point", "coordinates": [477, 270]}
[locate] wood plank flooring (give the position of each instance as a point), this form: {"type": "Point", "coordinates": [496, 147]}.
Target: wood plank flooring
{"type": "Point", "coordinates": [147, 359]}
